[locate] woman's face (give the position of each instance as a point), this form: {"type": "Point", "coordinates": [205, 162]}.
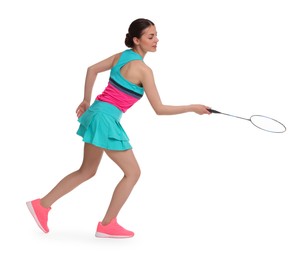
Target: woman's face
{"type": "Point", "coordinates": [148, 40]}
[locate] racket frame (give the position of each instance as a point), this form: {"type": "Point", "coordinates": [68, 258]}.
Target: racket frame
{"type": "Point", "coordinates": [249, 119]}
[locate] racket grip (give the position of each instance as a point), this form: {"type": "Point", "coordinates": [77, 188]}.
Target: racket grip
{"type": "Point", "coordinates": [213, 111]}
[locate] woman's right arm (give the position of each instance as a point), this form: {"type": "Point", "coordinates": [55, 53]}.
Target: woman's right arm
{"type": "Point", "coordinates": [92, 72]}
{"type": "Point", "coordinates": [91, 75]}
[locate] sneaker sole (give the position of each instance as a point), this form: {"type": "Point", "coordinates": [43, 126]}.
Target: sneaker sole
{"type": "Point", "coordinates": [104, 235]}
{"type": "Point", "coordinates": [31, 209]}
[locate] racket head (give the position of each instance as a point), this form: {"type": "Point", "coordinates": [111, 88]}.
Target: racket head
{"type": "Point", "coordinates": [267, 124]}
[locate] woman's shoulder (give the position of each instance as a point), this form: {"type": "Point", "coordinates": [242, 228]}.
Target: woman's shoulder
{"type": "Point", "coordinates": [141, 66]}
{"type": "Point", "coordinates": [116, 57]}
{"type": "Point", "coordinates": [134, 60]}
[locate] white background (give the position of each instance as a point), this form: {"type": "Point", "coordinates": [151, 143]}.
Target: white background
{"type": "Point", "coordinates": [212, 187]}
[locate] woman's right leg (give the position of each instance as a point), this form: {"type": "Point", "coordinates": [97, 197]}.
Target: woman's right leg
{"type": "Point", "coordinates": [91, 159]}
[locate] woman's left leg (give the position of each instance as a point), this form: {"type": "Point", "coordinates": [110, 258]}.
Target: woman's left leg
{"type": "Point", "coordinates": [128, 164]}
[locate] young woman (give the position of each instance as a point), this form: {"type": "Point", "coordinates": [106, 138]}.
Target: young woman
{"type": "Point", "coordinates": [102, 132]}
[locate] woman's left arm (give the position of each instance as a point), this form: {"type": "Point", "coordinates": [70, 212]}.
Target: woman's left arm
{"type": "Point", "coordinates": [153, 96]}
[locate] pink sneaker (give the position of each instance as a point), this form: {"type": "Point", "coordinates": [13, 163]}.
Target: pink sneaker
{"type": "Point", "coordinates": [39, 213]}
{"type": "Point", "coordinates": [112, 230]}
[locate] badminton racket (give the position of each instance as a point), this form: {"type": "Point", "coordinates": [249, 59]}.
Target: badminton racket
{"type": "Point", "coordinates": [262, 122]}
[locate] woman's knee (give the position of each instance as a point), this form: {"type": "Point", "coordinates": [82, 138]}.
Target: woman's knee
{"type": "Point", "coordinates": [137, 173]}
{"type": "Point", "coordinates": [134, 174]}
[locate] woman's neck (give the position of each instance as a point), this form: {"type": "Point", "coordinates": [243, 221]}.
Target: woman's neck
{"type": "Point", "coordinates": [139, 51]}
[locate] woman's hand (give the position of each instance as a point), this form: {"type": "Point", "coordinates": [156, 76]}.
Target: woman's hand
{"type": "Point", "coordinates": [200, 109]}
{"type": "Point", "coordinates": [84, 105]}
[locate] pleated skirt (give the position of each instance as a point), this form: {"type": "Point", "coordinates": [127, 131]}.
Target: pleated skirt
{"type": "Point", "coordinates": [100, 126]}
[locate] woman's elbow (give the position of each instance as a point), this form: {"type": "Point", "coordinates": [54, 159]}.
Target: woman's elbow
{"type": "Point", "coordinates": [159, 108]}
{"type": "Point", "coordinates": [159, 111]}
{"type": "Point", "coordinates": [92, 70]}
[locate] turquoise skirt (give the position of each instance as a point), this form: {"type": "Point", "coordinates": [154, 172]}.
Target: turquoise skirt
{"type": "Point", "coordinates": [100, 126]}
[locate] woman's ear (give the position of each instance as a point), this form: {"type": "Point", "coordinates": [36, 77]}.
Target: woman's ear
{"type": "Point", "coordinates": [136, 40]}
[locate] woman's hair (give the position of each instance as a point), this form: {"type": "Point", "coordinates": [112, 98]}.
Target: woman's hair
{"type": "Point", "coordinates": [135, 30]}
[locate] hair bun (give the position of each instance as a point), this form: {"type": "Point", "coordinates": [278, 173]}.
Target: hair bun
{"type": "Point", "coordinates": [128, 40]}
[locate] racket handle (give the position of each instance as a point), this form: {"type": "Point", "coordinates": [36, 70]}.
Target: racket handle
{"type": "Point", "coordinates": [213, 111]}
